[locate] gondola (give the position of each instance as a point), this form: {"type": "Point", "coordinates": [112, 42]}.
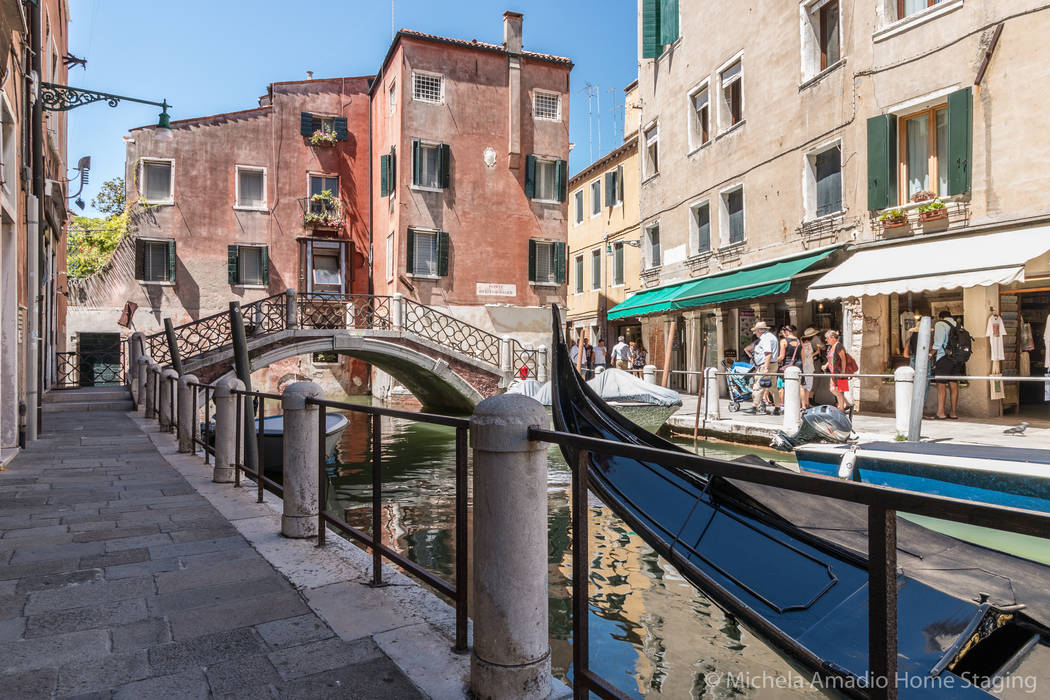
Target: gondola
{"type": "Point", "coordinates": [806, 595]}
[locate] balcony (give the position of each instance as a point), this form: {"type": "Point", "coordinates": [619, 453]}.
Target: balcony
{"type": "Point", "coordinates": [322, 211]}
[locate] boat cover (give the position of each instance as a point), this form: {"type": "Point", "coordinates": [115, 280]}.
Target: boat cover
{"type": "Point", "coordinates": [619, 385]}
{"type": "Point", "coordinates": [955, 449]}
{"type": "Point", "coordinates": [532, 389]}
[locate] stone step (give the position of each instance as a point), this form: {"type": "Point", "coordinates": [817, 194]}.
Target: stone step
{"type": "Point", "coordinates": [69, 406]}
{"type": "Point", "coordinates": [86, 394]}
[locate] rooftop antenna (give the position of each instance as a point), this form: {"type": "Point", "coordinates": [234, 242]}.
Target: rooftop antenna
{"type": "Point", "coordinates": [591, 91]}
{"type": "Point", "coordinates": [392, 25]}
{"type": "Point", "coordinates": [614, 108]}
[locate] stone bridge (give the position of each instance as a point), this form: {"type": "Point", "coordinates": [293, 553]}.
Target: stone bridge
{"type": "Point", "coordinates": [449, 365]}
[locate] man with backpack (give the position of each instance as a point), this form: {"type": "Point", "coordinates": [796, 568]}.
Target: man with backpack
{"type": "Point", "coordinates": [952, 347]}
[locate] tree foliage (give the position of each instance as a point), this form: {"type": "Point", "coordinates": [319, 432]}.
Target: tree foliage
{"type": "Point", "coordinates": [91, 241]}
{"type": "Point", "coordinates": [110, 198]}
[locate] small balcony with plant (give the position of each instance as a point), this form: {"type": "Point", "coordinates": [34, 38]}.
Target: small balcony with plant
{"type": "Point", "coordinates": [323, 210]}
{"type": "Point", "coordinates": [323, 138]}
{"type": "Point", "coordinates": [925, 212]}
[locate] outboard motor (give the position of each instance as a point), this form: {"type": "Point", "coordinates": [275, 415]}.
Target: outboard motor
{"type": "Point", "coordinates": [819, 424]}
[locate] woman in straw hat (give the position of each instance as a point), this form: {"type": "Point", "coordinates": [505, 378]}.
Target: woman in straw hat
{"type": "Point", "coordinates": [807, 365]}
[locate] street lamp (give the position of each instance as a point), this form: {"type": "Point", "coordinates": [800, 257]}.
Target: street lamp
{"type": "Point", "coordinates": [62, 98]}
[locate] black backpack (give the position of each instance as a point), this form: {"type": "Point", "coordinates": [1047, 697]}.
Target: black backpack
{"type": "Point", "coordinates": [960, 345]}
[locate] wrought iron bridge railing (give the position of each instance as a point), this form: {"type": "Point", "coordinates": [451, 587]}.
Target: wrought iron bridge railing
{"type": "Point", "coordinates": [363, 311]}
{"type": "Point", "coordinates": [451, 332]}
{"type": "Point", "coordinates": [97, 367]}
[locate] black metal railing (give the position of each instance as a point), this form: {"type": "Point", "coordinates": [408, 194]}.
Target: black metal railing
{"type": "Point", "coordinates": [203, 438]}
{"type": "Point", "coordinates": [107, 367]}
{"type": "Point", "coordinates": [361, 311]}
{"type": "Point", "coordinates": [527, 357]}
{"type": "Point", "coordinates": [450, 332]}
{"type": "Point", "coordinates": [262, 482]}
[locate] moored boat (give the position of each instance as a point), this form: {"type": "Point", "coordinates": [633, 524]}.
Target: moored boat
{"type": "Point", "coordinates": [273, 438]}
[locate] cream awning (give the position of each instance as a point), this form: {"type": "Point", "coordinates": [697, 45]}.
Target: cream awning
{"type": "Point", "coordinates": [973, 261]}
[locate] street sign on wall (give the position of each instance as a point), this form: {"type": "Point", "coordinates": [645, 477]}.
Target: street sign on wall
{"type": "Point", "coordinates": [492, 289]}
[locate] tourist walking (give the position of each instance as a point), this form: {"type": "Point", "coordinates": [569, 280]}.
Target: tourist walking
{"type": "Point", "coordinates": [837, 365]}
{"type": "Point", "coordinates": [639, 357]}
{"type": "Point", "coordinates": [599, 355]}
{"type": "Point", "coordinates": [621, 354]}
{"type": "Point", "coordinates": [953, 347]}
{"type": "Point", "coordinates": [808, 367]}
{"type": "Point", "coordinates": [790, 355]}
{"type": "Point", "coordinates": [765, 356]}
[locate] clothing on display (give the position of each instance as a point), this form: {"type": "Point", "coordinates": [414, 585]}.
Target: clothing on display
{"type": "Point", "coordinates": [996, 331]}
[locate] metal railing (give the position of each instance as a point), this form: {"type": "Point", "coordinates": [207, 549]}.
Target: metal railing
{"type": "Point", "coordinates": [527, 357]}
{"type": "Point", "coordinates": [450, 332]}
{"type": "Point", "coordinates": [322, 212]}
{"type": "Point", "coordinates": [202, 438]}
{"type": "Point", "coordinates": [262, 482]}
{"type": "Point", "coordinates": [882, 503]}
{"type": "Point", "coordinates": [362, 311]}
{"type": "Point", "coordinates": [79, 369]}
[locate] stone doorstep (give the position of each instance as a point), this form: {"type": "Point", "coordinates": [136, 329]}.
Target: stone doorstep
{"type": "Point", "coordinates": [411, 625]}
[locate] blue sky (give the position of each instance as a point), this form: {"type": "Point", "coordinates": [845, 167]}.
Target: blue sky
{"type": "Point", "coordinates": [207, 57]}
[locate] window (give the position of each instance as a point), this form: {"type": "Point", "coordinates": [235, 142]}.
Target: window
{"type": "Point", "coordinates": [699, 117]}
{"type": "Point", "coordinates": [326, 267]}
{"type": "Point", "coordinates": [578, 202]}
{"type": "Point", "coordinates": [614, 187]}
{"type": "Point", "coordinates": [390, 256]}
{"type": "Point", "coordinates": [700, 224]}
{"type": "Point", "coordinates": [428, 87]}
{"type": "Point", "coordinates": [157, 181]}
{"type": "Point", "coordinates": [310, 123]}
{"type": "Point", "coordinates": [821, 44]}
{"type": "Point", "coordinates": [546, 105]}
{"type": "Point", "coordinates": [388, 173]}
{"type": "Point", "coordinates": [659, 26]}
{"type": "Point", "coordinates": [248, 264]}
{"type": "Point", "coordinates": [319, 184]}
{"type": "Point", "coordinates": [596, 198]}
{"type": "Point", "coordinates": [154, 260]}
{"type": "Point", "coordinates": [924, 152]}
{"type": "Point", "coordinates": [427, 253]}
{"type": "Point", "coordinates": [733, 215]}
{"type": "Point", "coordinates": [652, 151]}
{"type": "Point", "coordinates": [251, 188]}
{"type": "Point", "coordinates": [547, 262]}
{"type": "Point", "coordinates": [577, 273]}
{"type": "Point", "coordinates": [392, 97]}
{"type": "Point", "coordinates": [824, 182]}
{"type": "Point", "coordinates": [910, 7]}
{"type": "Point", "coordinates": [430, 165]}
{"type": "Point", "coordinates": [828, 33]}
{"type": "Point", "coordinates": [596, 269]}
{"type": "Point", "coordinates": [545, 179]}
{"type": "Point", "coordinates": [732, 95]}
{"type": "Point", "coordinates": [618, 264]}
{"type": "Point", "coordinates": [652, 246]}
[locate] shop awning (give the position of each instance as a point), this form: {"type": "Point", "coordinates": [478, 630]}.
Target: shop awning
{"type": "Point", "coordinates": [758, 281]}
{"type": "Point", "coordinates": [992, 258]}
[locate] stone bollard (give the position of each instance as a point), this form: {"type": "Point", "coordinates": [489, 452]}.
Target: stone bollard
{"type": "Point", "coordinates": [152, 374]}
{"type": "Point", "coordinates": [904, 386]}
{"type": "Point", "coordinates": [187, 414]}
{"type": "Point", "coordinates": [164, 414]}
{"type": "Point", "coordinates": [397, 311]}
{"type": "Point", "coordinates": [511, 655]}
{"type": "Point", "coordinates": [649, 374]}
{"type": "Point", "coordinates": [792, 399]}
{"type": "Point", "coordinates": [291, 309]}
{"type": "Point", "coordinates": [711, 393]}
{"type": "Point", "coordinates": [143, 363]}
{"type": "Point", "coordinates": [541, 364]}
{"type": "Point", "coordinates": [506, 355]}
{"type": "Point", "coordinates": [226, 429]}
{"type": "Point", "coordinates": [300, 459]}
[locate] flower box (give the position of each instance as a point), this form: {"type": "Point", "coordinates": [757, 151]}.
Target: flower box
{"type": "Point", "coordinates": [323, 139]}
{"type": "Point", "coordinates": [934, 215]}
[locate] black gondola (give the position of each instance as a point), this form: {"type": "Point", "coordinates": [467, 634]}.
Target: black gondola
{"type": "Point", "coordinates": [807, 595]}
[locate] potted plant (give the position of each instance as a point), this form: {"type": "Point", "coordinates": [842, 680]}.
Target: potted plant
{"type": "Point", "coordinates": [322, 209]}
{"type": "Point", "coordinates": [323, 138]}
{"type": "Point", "coordinates": [894, 218]}
{"type": "Point", "coordinates": [923, 196]}
{"type": "Point", "coordinates": [933, 210]}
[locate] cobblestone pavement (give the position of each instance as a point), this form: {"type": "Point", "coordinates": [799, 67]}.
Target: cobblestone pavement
{"type": "Point", "coordinates": [119, 580]}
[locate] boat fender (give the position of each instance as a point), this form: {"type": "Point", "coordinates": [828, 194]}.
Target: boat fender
{"type": "Point", "coordinates": [848, 463]}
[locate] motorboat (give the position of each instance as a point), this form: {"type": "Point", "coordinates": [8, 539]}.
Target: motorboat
{"type": "Point", "coordinates": [273, 438]}
{"type": "Point", "coordinates": [792, 567]}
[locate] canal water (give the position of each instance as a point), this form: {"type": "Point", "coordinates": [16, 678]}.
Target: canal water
{"type": "Point", "coordinates": [652, 633]}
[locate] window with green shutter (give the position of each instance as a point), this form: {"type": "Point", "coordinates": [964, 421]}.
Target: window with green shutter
{"type": "Point", "coordinates": [651, 29]}
{"type": "Point", "coordinates": [340, 128]}
{"type": "Point", "coordinates": [171, 261]}
{"type": "Point", "coordinates": [442, 253]}
{"type": "Point", "coordinates": [668, 21]}
{"type": "Point", "coordinates": [233, 275]}
{"type": "Point", "coordinates": [384, 176]}
{"type": "Point", "coordinates": [306, 124]}
{"type": "Point", "coordinates": [546, 262]}
{"type": "Point", "coordinates": [960, 140]}
{"type": "Point", "coordinates": [562, 180]}
{"type": "Point", "coordinates": [577, 273]}
{"type": "Point", "coordinates": [247, 265]}
{"type": "Point", "coordinates": [530, 176]}
{"type": "Point", "coordinates": [430, 163]}
{"type": "Point", "coordinates": [611, 188]}
{"type": "Point", "coordinates": [618, 264]}
{"type": "Point", "coordinates": [882, 160]}
{"type": "Point", "coordinates": [427, 253]}
{"type": "Point", "coordinates": [559, 263]}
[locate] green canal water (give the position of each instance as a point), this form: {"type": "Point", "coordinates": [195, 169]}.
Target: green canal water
{"type": "Point", "coordinates": [652, 633]}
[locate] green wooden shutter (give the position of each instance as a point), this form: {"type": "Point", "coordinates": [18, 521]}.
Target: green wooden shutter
{"type": "Point", "coordinates": [410, 252]}
{"type": "Point", "coordinates": [610, 188]}
{"type": "Point", "coordinates": [960, 140]}
{"type": "Point", "coordinates": [417, 163]}
{"type": "Point", "coordinates": [264, 264]}
{"type": "Point", "coordinates": [340, 128]}
{"type": "Point", "coordinates": [882, 151]}
{"type": "Point", "coordinates": [233, 271]}
{"type": "Point", "coordinates": [392, 185]}
{"type": "Point", "coordinates": [668, 21]}
{"type": "Point", "coordinates": [561, 180]}
{"type": "Point", "coordinates": [444, 157]}
{"type": "Point", "coordinates": [171, 261]}
{"type": "Point", "coordinates": [559, 263]}
{"type": "Point", "coordinates": [530, 176]}
{"type": "Point", "coordinates": [306, 124]}
{"type": "Point", "coordinates": [651, 46]}
{"type": "Point", "coordinates": [140, 260]}
{"type": "Point", "coordinates": [532, 260]}
{"type": "Point", "coordinates": [619, 184]}
{"type": "Point", "coordinates": [442, 253]}
{"type": "Point", "coordinates": [384, 176]}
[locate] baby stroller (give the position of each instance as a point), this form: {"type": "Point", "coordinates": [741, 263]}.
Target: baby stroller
{"type": "Point", "coordinates": [739, 381]}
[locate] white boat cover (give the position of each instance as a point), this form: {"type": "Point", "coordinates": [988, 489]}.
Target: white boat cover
{"type": "Point", "coordinates": [972, 261]}
{"type": "Point", "coordinates": [612, 385]}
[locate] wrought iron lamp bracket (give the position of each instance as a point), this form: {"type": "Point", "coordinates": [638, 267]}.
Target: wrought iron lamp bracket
{"type": "Point", "coordinates": [60, 98]}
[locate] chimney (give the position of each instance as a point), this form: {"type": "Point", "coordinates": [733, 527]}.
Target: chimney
{"type": "Point", "coordinates": [512, 31]}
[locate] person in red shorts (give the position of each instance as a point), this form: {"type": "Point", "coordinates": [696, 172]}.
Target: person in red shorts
{"type": "Point", "coordinates": [836, 365]}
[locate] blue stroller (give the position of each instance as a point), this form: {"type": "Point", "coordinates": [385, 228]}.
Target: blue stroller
{"type": "Point", "coordinates": [739, 381]}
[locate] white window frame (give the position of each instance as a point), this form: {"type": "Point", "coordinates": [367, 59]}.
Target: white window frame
{"type": "Point", "coordinates": [578, 285]}
{"type": "Point", "coordinates": [390, 266]}
{"type": "Point", "coordinates": [248, 285]}
{"type": "Point", "coordinates": [545, 161]}
{"type": "Point", "coordinates": [415, 238]}
{"type": "Point", "coordinates": [596, 280]}
{"type": "Point", "coordinates": [724, 126]}
{"type": "Point", "coordinates": [391, 92]}
{"type": "Point", "coordinates": [723, 215]}
{"type": "Point", "coordinates": [552, 280]}
{"type": "Point", "coordinates": [166, 241]}
{"type": "Point", "coordinates": [891, 26]}
{"type": "Point", "coordinates": [648, 246]}
{"type": "Point", "coordinates": [618, 191]}
{"type": "Point", "coordinates": [809, 30]}
{"type": "Point", "coordinates": [653, 127]}
{"type": "Point", "coordinates": [809, 181]}
{"type": "Point", "coordinates": [428, 74]}
{"type": "Point", "coordinates": [596, 202]}
{"type": "Point", "coordinates": [170, 199]}
{"type": "Point", "coordinates": [340, 255]}
{"type": "Point", "coordinates": [693, 123]}
{"type": "Point", "coordinates": [579, 212]}
{"type": "Point", "coordinates": [546, 93]}
{"type": "Point", "coordinates": [237, 188]}
{"type": "Point", "coordinates": [694, 228]}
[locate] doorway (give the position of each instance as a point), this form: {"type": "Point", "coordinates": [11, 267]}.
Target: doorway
{"type": "Point", "coordinates": [100, 363]}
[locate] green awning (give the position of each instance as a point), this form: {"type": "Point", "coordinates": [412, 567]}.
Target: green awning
{"type": "Point", "coordinates": [760, 281]}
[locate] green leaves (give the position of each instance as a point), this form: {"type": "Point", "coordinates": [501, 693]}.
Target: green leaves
{"type": "Point", "coordinates": [91, 241]}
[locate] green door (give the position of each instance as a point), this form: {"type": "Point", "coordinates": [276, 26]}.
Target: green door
{"type": "Point", "coordinates": [100, 359]}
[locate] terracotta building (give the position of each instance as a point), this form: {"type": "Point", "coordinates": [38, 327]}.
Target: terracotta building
{"type": "Point", "coordinates": [240, 206]}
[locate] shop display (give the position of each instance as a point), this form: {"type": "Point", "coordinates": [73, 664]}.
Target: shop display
{"type": "Point", "coordinates": [996, 331]}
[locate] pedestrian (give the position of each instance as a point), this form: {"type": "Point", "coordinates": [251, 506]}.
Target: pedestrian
{"type": "Point", "coordinates": [599, 355]}
{"type": "Point", "coordinates": [621, 353]}
{"type": "Point", "coordinates": [911, 349]}
{"type": "Point", "coordinates": [808, 368]}
{"type": "Point", "coordinates": [588, 357]}
{"type": "Point", "coordinates": [836, 366]}
{"type": "Point", "coordinates": [790, 355]}
{"type": "Point", "coordinates": [952, 345]}
{"type": "Point", "coordinates": [764, 356]}
{"type": "Point", "coordinates": [574, 353]}
{"type": "Point", "coordinates": [639, 358]}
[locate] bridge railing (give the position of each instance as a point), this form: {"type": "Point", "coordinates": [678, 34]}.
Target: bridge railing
{"type": "Point", "coordinates": [362, 311]}
{"type": "Point", "coordinates": [450, 331]}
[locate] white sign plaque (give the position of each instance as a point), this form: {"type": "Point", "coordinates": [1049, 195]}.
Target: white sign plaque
{"type": "Point", "coordinates": [491, 289]}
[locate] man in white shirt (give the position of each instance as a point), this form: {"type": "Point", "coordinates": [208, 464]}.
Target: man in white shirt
{"type": "Point", "coordinates": [767, 350]}
{"type": "Point", "coordinates": [621, 354]}
{"type": "Point", "coordinates": [599, 355]}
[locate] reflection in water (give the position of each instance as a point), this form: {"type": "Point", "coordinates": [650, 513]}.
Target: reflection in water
{"type": "Point", "coordinates": [652, 633]}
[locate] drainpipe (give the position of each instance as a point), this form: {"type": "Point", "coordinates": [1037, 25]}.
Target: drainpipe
{"type": "Point", "coordinates": [34, 220]}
